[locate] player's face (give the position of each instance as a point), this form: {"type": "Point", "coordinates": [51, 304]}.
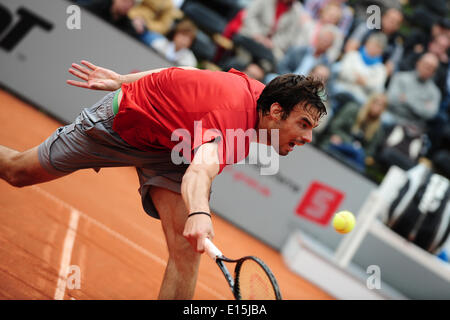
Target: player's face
{"type": "Point", "coordinates": [296, 129]}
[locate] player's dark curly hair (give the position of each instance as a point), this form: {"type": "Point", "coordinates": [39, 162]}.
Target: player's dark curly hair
{"type": "Point", "coordinates": [289, 90]}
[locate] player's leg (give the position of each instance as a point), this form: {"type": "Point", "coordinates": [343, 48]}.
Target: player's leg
{"type": "Point", "coordinates": [181, 272]}
{"type": "Point", "coordinates": [85, 143]}
{"type": "Point", "coordinates": [23, 168]}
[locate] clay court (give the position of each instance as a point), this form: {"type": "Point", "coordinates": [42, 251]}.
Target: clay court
{"type": "Point", "coordinates": [95, 221]}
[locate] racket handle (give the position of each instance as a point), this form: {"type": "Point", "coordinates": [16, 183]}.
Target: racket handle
{"type": "Point", "coordinates": [211, 250]}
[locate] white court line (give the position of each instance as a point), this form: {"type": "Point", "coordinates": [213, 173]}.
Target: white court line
{"type": "Point", "coordinates": [102, 226]}
{"type": "Point", "coordinates": [67, 254]}
{"type": "Point", "coordinates": [118, 236]}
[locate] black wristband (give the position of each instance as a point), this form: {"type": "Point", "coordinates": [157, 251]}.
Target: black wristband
{"type": "Point", "coordinates": [199, 212]}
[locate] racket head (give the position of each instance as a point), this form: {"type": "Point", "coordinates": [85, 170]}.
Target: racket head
{"type": "Point", "coordinates": [253, 280]}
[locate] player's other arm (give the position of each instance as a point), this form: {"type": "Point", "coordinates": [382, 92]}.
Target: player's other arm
{"type": "Point", "coordinates": [195, 189]}
{"type": "Point", "coordinates": [99, 78]}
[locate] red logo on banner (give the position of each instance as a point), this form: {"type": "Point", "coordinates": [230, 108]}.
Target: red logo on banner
{"type": "Point", "coordinates": [319, 203]}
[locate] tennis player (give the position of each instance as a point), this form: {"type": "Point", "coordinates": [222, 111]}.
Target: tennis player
{"type": "Point", "coordinates": [153, 118]}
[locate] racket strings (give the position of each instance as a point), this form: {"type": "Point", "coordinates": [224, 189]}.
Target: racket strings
{"type": "Point", "coordinates": [254, 282]}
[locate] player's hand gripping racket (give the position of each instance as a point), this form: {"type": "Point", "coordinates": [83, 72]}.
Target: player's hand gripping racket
{"type": "Point", "coordinates": [252, 280]}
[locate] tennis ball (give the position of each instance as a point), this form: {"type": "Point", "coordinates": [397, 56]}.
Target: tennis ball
{"type": "Point", "coordinates": [344, 221]}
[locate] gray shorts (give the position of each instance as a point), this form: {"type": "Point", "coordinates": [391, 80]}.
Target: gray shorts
{"type": "Point", "coordinates": [90, 142]}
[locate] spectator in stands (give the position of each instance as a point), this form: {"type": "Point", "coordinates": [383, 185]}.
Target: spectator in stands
{"type": "Point", "coordinates": [269, 29]}
{"type": "Point", "coordinates": [154, 15]}
{"type": "Point", "coordinates": [210, 27]}
{"type": "Point", "coordinates": [176, 48]}
{"type": "Point", "coordinates": [437, 41]}
{"type": "Point", "coordinates": [425, 13]}
{"type": "Point", "coordinates": [225, 8]}
{"type": "Point", "coordinates": [362, 73]}
{"type": "Point", "coordinates": [439, 47]}
{"type": "Point", "coordinates": [115, 12]}
{"type": "Point", "coordinates": [440, 152]}
{"type": "Point", "coordinates": [322, 72]}
{"type": "Point", "coordinates": [355, 132]}
{"type": "Point", "coordinates": [254, 71]}
{"type": "Point", "coordinates": [391, 21]}
{"type": "Point", "coordinates": [302, 59]}
{"type": "Point", "coordinates": [315, 7]}
{"type": "Point", "coordinates": [232, 27]}
{"type": "Point", "coordinates": [441, 122]}
{"type": "Point", "coordinates": [413, 96]}
{"type": "Point", "coordinates": [309, 30]}
{"type": "Point", "coordinates": [419, 39]}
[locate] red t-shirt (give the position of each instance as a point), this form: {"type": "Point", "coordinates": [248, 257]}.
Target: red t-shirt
{"type": "Point", "coordinates": [158, 111]}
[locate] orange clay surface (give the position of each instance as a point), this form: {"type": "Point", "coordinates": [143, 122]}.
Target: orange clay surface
{"type": "Point", "coordinates": [120, 251]}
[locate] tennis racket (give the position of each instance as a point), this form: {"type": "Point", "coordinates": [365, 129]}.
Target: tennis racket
{"type": "Point", "coordinates": [252, 280]}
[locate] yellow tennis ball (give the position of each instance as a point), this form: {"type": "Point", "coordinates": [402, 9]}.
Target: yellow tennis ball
{"type": "Point", "coordinates": [344, 221]}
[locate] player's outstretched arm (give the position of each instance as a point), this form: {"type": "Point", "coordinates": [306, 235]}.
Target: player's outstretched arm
{"type": "Point", "coordinates": [99, 78]}
{"type": "Point", "coordinates": [95, 77]}
{"type": "Point", "coordinates": [195, 189]}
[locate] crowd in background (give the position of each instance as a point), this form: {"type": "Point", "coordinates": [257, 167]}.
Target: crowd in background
{"type": "Point", "coordinates": [387, 75]}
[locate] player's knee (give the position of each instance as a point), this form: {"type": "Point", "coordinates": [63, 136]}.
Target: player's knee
{"type": "Point", "coordinates": [16, 175]}
{"type": "Point", "coordinates": [17, 178]}
{"type": "Point", "coordinates": [20, 172]}
{"type": "Point", "coordinates": [182, 251]}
